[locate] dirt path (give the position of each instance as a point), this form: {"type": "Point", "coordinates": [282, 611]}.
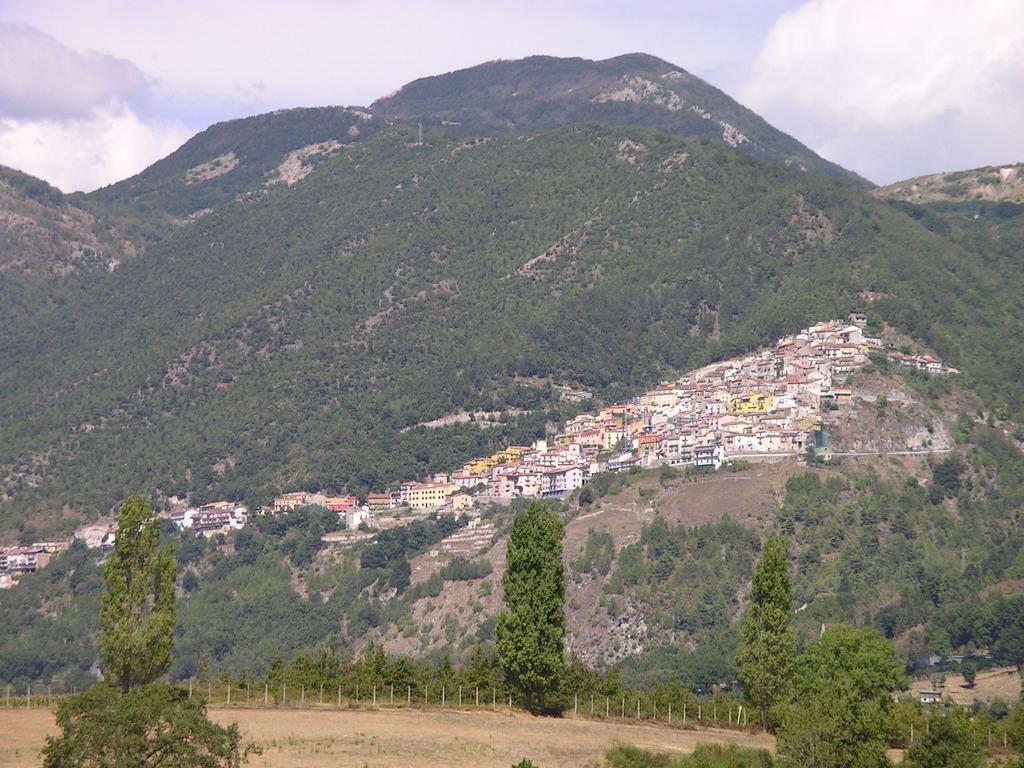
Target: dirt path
{"type": "Point", "coordinates": [393, 738]}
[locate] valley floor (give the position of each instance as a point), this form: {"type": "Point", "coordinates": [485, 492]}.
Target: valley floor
{"type": "Point", "coordinates": [392, 738]}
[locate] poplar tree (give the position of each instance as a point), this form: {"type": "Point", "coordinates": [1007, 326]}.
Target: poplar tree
{"type": "Point", "coordinates": [764, 660]}
{"type": "Point", "coordinates": [132, 719]}
{"type": "Point", "coordinates": [531, 629]}
{"type": "Point", "coordinates": [137, 606]}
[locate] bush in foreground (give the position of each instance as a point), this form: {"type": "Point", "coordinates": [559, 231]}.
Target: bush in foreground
{"type": "Point", "coordinates": [704, 756]}
{"type": "Point", "coordinates": [154, 725]}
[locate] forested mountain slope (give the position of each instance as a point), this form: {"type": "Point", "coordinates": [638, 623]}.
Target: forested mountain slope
{"type": "Point", "coordinates": [53, 246]}
{"type": "Point", "coordinates": [50, 249]}
{"type": "Point", "coordinates": [233, 158]}
{"type": "Point", "coordinates": [635, 89]}
{"type": "Point", "coordinates": [293, 338]}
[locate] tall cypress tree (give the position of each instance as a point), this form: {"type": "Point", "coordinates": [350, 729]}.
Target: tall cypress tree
{"type": "Point", "coordinates": [531, 630]}
{"type": "Point", "coordinates": [137, 606]}
{"type": "Point", "coordinates": [764, 660]}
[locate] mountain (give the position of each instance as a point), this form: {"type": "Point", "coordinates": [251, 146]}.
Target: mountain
{"type": "Point", "coordinates": [992, 184]}
{"type": "Point", "coordinates": [636, 89]}
{"type": "Point", "coordinates": [50, 249]}
{"type": "Point", "coordinates": [303, 337]}
{"type": "Point", "coordinates": [235, 158]}
{"type": "Point", "coordinates": [330, 333]}
{"type": "Point", "coordinates": [54, 245]}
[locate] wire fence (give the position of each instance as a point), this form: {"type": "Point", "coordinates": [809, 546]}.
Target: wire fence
{"type": "Point", "coordinates": [677, 711]}
{"type": "Point", "coordinates": [634, 707]}
{"type": "Point", "coordinates": [637, 707]}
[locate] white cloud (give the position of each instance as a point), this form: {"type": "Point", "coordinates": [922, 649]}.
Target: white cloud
{"type": "Point", "coordinates": [39, 77]}
{"type": "Point", "coordinates": [83, 154]}
{"type": "Point", "coordinates": [895, 89]}
{"type": "Point", "coordinates": [73, 118]}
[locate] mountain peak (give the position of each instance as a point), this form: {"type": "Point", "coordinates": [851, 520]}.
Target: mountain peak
{"type": "Point", "coordinates": [542, 92]}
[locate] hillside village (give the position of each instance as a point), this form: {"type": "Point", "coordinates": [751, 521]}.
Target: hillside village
{"type": "Point", "coordinates": [765, 406]}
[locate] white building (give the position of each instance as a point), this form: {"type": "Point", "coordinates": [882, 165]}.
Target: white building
{"type": "Point", "coordinates": [560, 481]}
{"type": "Point", "coordinates": [355, 516]}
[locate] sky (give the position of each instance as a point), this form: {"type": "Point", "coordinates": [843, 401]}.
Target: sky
{"type": "Point", "coordinates": [93, 91]}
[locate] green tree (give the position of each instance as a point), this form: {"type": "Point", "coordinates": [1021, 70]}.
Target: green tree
{"type": "Point", "coordinates": [841, 710]}
{"type": "Point", "coordinates": [764, 659]}
{"type": "Point", "coordinates": [129, 720]}
{"type": "Point", "coordinates": [970, 672]}
{"type": "Point", "coordinates": [137, 606]}
{"type": "Point", "coordinates": [153, 726]}
{"type": "Point", "coordinates": [531, 629]}
{"type": "Point", "coordinates": [949, 742]}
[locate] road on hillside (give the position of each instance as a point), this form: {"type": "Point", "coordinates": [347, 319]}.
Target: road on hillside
{"type": "Point", "coordinates": [851, 454]}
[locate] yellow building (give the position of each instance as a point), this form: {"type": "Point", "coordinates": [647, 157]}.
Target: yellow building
{"type": "Point", "coordinates": [751, 402]}
{"type": "Point", "coordinates": [477, 466]}
{"type": "Point", "coordinates": [430, 495]}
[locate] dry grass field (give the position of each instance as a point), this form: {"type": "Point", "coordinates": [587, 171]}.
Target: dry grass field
{"type": "Point", "coordinates": [1003, 683]}
{"type": "Point", "coordinates": [392, 738]}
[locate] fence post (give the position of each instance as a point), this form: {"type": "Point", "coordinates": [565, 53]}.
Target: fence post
{"type": "Point", "coordinates": [48, 695]}
{"type": "Point", "coordinates": [209, 692]}
{"type": "Point", "coordinates": [442, 696]}
{"type": "Point", "coordinates": [247, 694]}
{"type": "Point", "coordinates": [698, 712]}
{"type": "Point", "coordinates": [460, 695]}
{"type": "Point", "coordinates": [607, 702]}
{"type": "Point", "coordinates": [510, 703]}
{"type": "Point", "coordinates": [623, 706]}
{"type": "Point", "coordinates": [637, 707]}
{"type": "Point", "coordinates": [190, 687]}
{"type": "Point", "coordinates": [321, 693]}
{"type": "Point", "coordinates": [229, 695]}
{"type": "Point", "coordinates": [357, 692]}
{"type": "Point", "coordinates": [408, 694]}
{"type": "Point", "coordinates": [730, 715]}
{"type": "Point", "coordinates": [684, 713]}
{"type": "Point", "coordinates": [591, 703]}
{"type": "Point", "coordinates": [8, 697]}
{"type": "Point", "coordinates": [302, 695]}
{"type": "Point", "coordinates": [339, 695]}
{"type": "Point", "coordinates": [28, 697]}
{"type": "Point", "coordinates": [575, 705]}
{"type": "Point", "coordinates": [266, 694]}
{"type": "Point", "coordinates": [494, 698]}
{"type": "Point", "coordinates": [655, 710]}
{"type": "Point", "coordinates": [478, 695]}
{"type": "Point", "coordinates": [375, 695]}
{"type": "Point", "coordinates": [392, 693]}
{"type": "Point", "coordinates": [670, 713]}
{"type": "Point", "coordinates": [284, 693]}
